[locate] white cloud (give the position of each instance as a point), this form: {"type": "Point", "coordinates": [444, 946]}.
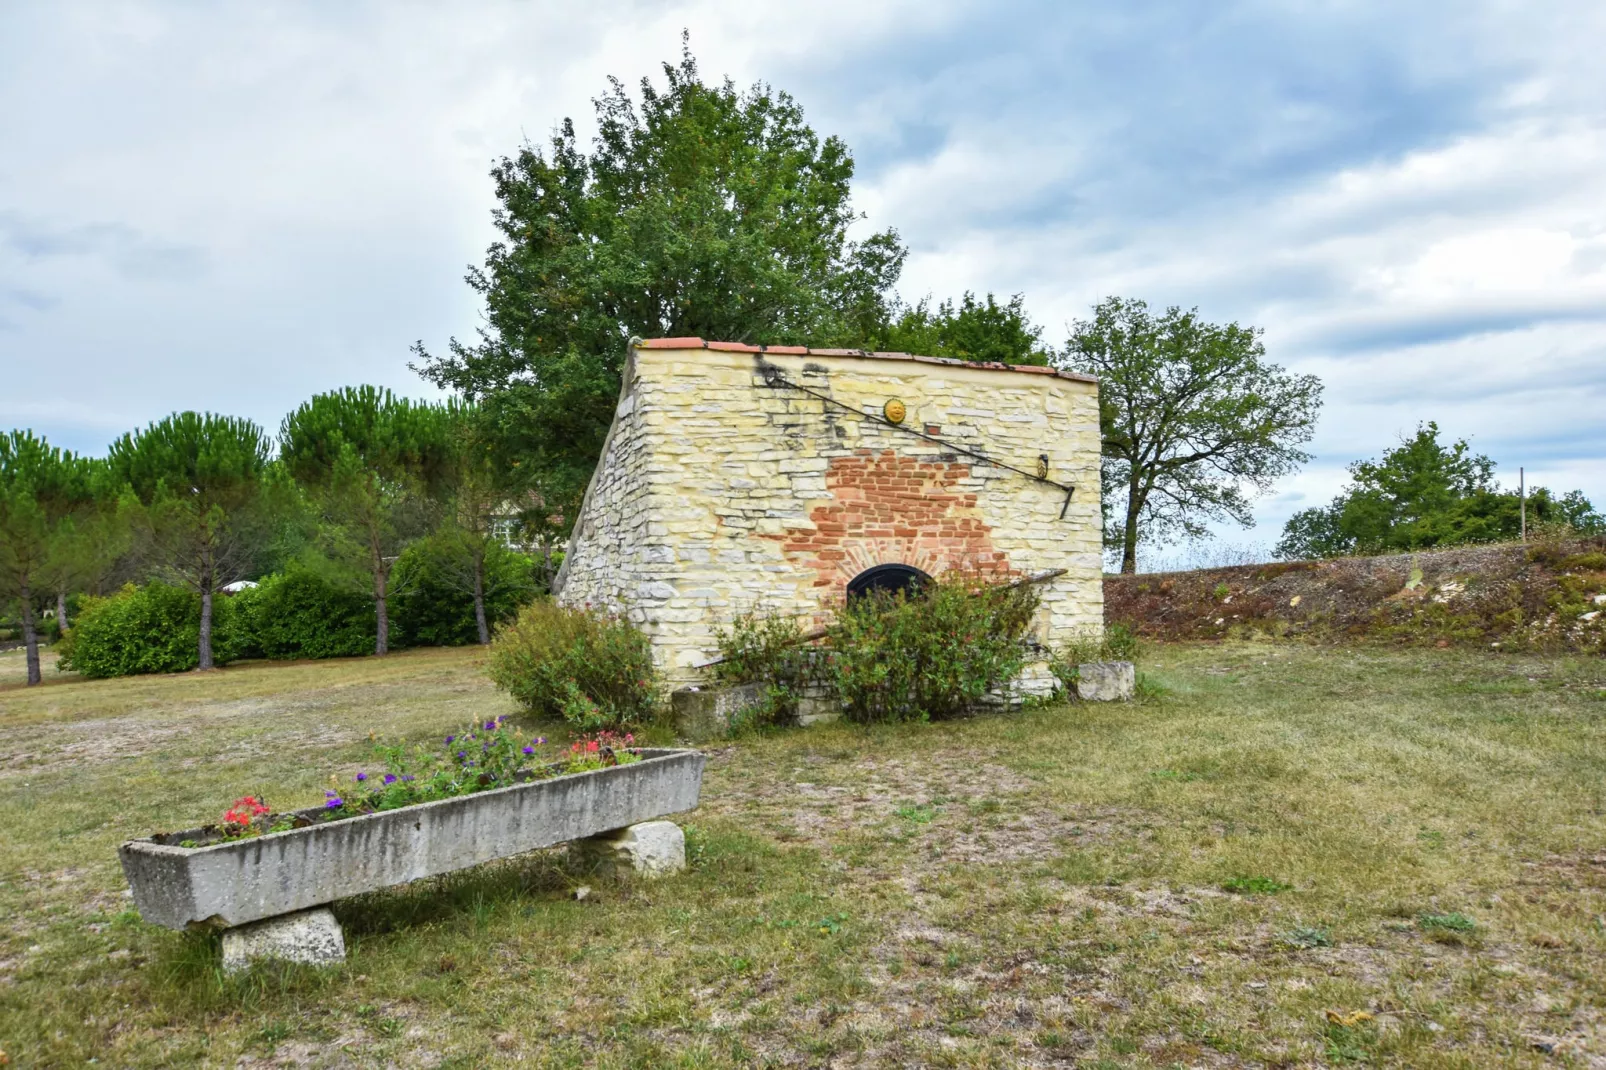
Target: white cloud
{"type": "Point", "coordinates": [232, 207]}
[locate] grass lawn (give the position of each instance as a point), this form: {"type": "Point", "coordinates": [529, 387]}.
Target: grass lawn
{"type": "Point", "coordinates": [1289, 836]}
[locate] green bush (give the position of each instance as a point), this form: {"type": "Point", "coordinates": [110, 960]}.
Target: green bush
{"type": "Point", "coordinates": [301, 614]}
{"type": "Point", "coordinates": [1114, 642]}
{"type": "Point", "coordinates": [933, 655]}
{"type": "Point", "coordinates": [433, 602]}
{"type": "Point", "coordinates": [768, 651]}
{"type": "Point", "coordinates": [154, 628]}
{"type": "Point", "coordinates": [592, 670]}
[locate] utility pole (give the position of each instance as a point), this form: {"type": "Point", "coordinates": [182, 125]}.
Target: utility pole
{"type": "Point", "coordinates": [1522, 494]}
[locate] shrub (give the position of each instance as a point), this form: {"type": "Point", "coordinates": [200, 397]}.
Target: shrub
{"type": "Point", "coordinates": [1115, 642]}
{"type": "Point", "coordinates": [593, 670]}
{"type": "Point", "coordinates": [154, 628]}
{"type": "Point", "coordinates": [302, 614]}
{"type": "Point", "coordinates": [433, 600]}
{"type": "Point", "coordinates": [768, 651]}
{"type": "Point", "coordinates": [933, 655]}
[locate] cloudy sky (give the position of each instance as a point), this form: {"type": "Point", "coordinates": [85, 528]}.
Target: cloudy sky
{"type": "Point", "coordinates": [231, 207]}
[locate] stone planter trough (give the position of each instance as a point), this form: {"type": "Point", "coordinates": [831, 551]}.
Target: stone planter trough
{"type": "Point", "coordinates": [235, 882]}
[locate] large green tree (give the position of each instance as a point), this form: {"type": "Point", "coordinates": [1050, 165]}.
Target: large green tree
{"type": "Point", "coordinates": [200, 480]}
{"type": "Point", "coordinates": [93, 541]}
{"type": "Point", "coordinates": [40, 485]}
{"type": "Point", "coordinates": [1426, 493]}
{"type": "Point", "coordinates": [373, 463]}
{"type": "Point", "coordinates": [480, 501]}
{"type": "Point", "coordinates": [703, 210]}
{"type": "Point", "coordinates": [1194, 419]}
{"type": "Point", "coordinates": [969, 329]}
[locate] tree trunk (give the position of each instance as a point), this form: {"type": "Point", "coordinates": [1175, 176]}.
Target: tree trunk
{"type": "Point", "coordinates": [479, 596]}
{"type": "Point", "coordinates": [1129, 540]}
{"type": "Point", "coordinates": [381, 608]}
{"type": "Point", "coordinates": [30, 636]}
{"type": "Point", "coordinates": [61, 610]}
{"type": "Point", "coordinates": [206, 627]}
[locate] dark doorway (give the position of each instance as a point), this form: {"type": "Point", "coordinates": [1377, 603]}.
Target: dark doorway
{"type": "Point", "coordinates": [888, 578]}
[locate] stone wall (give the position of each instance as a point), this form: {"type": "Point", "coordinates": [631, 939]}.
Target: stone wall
{"type": "Point", "coordinates": [723, 490]}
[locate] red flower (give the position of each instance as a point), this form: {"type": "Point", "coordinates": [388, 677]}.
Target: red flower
{"type": "Point", "coordinates": [592, 746]}
{"type": "Point", "coordinates": [246, 808]}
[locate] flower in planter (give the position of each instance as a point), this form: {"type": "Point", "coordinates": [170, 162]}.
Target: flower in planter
{"type": "Point", "coordinates": [245, 810]}
{"type": "Point", "coordinates": [416, 773]}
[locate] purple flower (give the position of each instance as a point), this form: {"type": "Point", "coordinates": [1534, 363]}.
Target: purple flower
{"type": "Point", "coordinates": [406, 778]}
{"type": "Point", "coordinates": [450, 739]}
{"type": "Point", "coordinates": [390, 778]}
{"type": "Point", "coordinates": [335, 802]}
{"type": "Point", "coordinates": [489, 725]}
{"type": "Point", "coordinates": [540, 740]}
{"type": "Point", "coordinates": [361, 777]}
{"type": "Point", "coordinates": [462, 754]}
{"type": "Point", "coordinates": [528, 749]}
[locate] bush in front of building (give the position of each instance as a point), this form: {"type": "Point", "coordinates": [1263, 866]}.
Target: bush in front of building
{"type": "Point", "coordinates": [593, 670]}
{"type": "Point", "coordinates": [928, 655]}
{"type": "Point", "coordinates": [149, 629]}
{"type": "Point", "coordinates": [769, 651]}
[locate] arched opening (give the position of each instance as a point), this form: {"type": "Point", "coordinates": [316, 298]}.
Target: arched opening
{"type": "Point", "coordinates": [888, 578]}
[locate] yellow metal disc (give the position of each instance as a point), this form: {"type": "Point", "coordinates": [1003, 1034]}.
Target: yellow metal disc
{"type": "Point", "coordinates": [894, 411]}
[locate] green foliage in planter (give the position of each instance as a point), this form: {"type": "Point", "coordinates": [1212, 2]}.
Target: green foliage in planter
{"type": "Point", "coordinates": [897, 658]}
{"type": "Point", "coordinates": [432, 593]}
{"type": "Point", "coordinates": [593, 670]}
{"type": "Point", "coordinates": [768, 651]}
{"type": "Point", "coordinates": [146, 629]}
{"type": "Point", "coordinates": [301, 613]}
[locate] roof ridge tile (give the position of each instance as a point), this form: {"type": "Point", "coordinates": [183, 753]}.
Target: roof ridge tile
{"type": "Point", "coordinates": [806, 351]}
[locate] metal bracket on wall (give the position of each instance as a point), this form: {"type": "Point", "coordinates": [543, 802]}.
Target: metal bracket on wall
{"type": "Point", "coordinates": [774, 378]}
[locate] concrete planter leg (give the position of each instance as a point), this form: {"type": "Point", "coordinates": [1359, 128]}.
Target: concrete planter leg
{"type": "Point", "coordinates": [309, 936]}
{"type": "Point", "coordinates": [650, 849]}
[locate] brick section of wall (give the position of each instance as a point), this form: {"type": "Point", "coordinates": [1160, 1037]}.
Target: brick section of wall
{"type": "Point", "coordinates": [721, 492]}
{"type": "Point", "coordinates": [889, 507]}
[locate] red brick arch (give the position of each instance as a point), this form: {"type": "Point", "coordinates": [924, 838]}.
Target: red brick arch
{"type": "Point", "coordinates": [885, 508]}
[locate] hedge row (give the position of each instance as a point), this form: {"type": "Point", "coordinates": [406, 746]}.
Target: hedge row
{"type": "Point", "coordinates": [295, 614]}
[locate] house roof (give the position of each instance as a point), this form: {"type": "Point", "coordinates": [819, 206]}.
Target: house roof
{"type": "Point", "coordinates": [805, 351]}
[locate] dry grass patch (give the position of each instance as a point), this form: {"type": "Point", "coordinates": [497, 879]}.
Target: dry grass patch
{"type": "Point", "coordinates": [1264, 868]}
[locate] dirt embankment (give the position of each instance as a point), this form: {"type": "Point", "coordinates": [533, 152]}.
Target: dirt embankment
{"type": "Point", "coordinates": [1545, 597]}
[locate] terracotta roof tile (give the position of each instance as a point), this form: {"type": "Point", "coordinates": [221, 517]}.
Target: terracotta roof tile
{"type": "Point", "coordinates": [805, 351]}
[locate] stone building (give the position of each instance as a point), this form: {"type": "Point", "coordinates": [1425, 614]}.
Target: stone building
{"type": "Point", "coordinates": [782, 479]}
